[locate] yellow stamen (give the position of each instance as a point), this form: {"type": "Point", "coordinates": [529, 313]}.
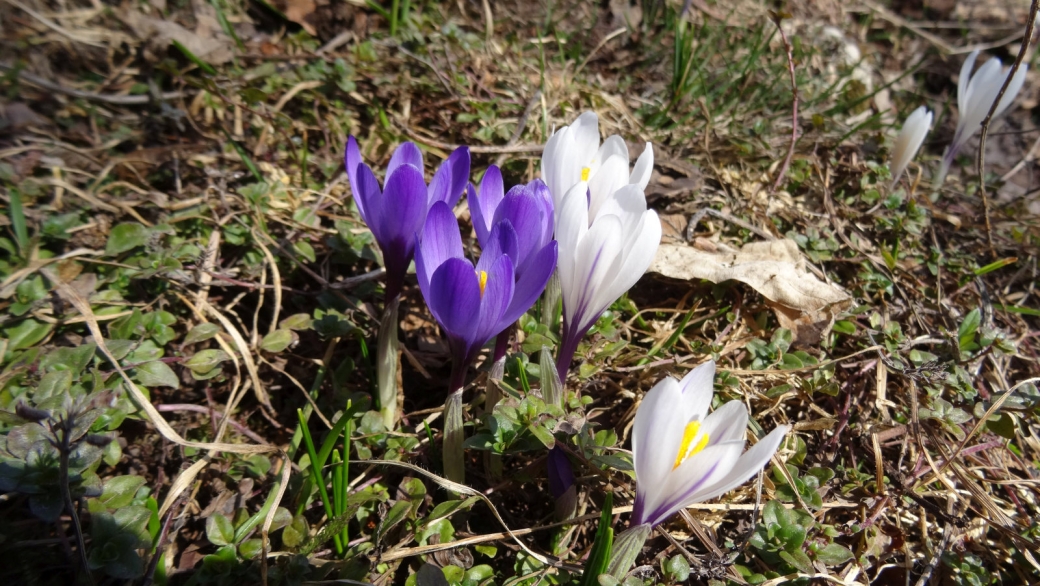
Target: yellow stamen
{"type": "Point", "coordinates": [689, 434]}
{"type": "Point", "coordinates": [585, 173]}
{"type": "Point", "coordinates": [482, 277]}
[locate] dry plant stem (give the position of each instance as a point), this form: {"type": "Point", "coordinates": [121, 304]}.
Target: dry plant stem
{"type": "Point", "coordinates": [386, 363]}
{"type": "Point", "coordinates": [454, 461]}
{"type": "Point", "coordinates": [794, 104]}
{"type": "Point", "coordinates": [981, 158]}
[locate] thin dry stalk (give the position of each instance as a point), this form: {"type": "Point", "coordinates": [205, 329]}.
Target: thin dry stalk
{"type": "Point", "coordinates": [981, 160]}
{"type": "Point", "coordinates": [794, 102]}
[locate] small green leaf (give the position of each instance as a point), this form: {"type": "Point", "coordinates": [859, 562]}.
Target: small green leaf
{"type": "Point", "coordinates": [304, 249]}
{"type": "Point", "coordinates": [206, 360]}
{"type": "Point", "coordinates": [294, 534]}
{"type": "Point", "coordinates": [156, 374]}
{"type": "Point", "coordinates": [834, 554]}
{"type": "Point", "coordinates": [277, 341]}
{"type": "Point", "coordinates": [970, 325]}
{"type": "Point", "coordinates": [119, 492]}
{"type": "Point", "coordinates": [126, 236]}
{"type": "Point", "coordinates": [201, 332]}
{"type": "Point", "coordinates": [219, 530]}
{"type": "Point", "coordinates": [799, 560]}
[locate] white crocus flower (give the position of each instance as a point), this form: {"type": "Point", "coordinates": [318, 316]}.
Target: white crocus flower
{"type": "Point", "coordinates": [574, 155]}
{"type": "Point", "coordinates": [909, 141]}
{"type": "Point", "coordinates": [975, 96]}
{"type": "Point", "coordinates": [601, 255]}
{"type": "Point", "coordinates": [683, 455]}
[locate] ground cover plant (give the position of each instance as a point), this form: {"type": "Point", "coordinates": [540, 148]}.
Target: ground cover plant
{"type": "Point", "coordinates": [219, 363]}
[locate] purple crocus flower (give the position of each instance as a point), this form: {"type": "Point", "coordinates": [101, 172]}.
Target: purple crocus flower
{"type": "Point", "coordinates": [396, 212]}
{"type": "Point", "coordinates": [474, 304]}
{"type": "Point", "coordinates": [529, 208]}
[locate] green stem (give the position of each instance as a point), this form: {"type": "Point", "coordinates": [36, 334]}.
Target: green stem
{"type": "Point", "coordinates": [386, 364]}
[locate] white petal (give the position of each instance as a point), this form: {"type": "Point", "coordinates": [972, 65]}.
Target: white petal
{"type": "Point", "coordinates": [728, 423]}
{"type": "Point", "coordinates": [611, 177]}
{"type": "Point", "coordinates": [614, 146]}
{"type": "Point", "coordinates": [596, 261]}
{"type": "Point", "coordinates": [698, 388]}
{"type": "Point", "coordinates": [656, 435]}
{"type": "Point", "coordinates": [687, 483]}
{"type": "Point", "coordinates": [749, 464]}
{"type": "Point", "coordinates": [915, 129]}
{"type": "Point", "coordinates": [644, 167]}
{"type": "Point", "coordinates": [639, 250]}
{"type": "Point", "coordinates": [962, 81]}
{"type": "Point", "coordinates": [586, 135]}
{"type": "Point", "coordinates": [571, 227]}
{"type": "Point", "coordinates": [1012, 89]}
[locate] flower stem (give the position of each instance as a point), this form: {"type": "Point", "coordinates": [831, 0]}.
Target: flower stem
{"type": "Point", "coordinates": [493, 394]}
{"type": "Point", "coordinates": [454, 461]}
{"type": "Point", "coordinates": [568, 346]}
{"type": "Point", "coordinates": [386, 363]}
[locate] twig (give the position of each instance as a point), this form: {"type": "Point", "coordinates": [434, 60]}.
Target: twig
{"type": "Point", "coordinates": [794, 102]}
{"type": "Point", "coordinates": [107, 98]}
{"type": "Point", "coordinates": [981, 159]}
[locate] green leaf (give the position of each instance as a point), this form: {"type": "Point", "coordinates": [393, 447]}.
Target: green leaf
{"type": "Point", "coordinates": [205, 361]}
{"type": "Point", "coordinates": [799, 560]}
{"type": "Point", "coordinates": [126, 236]}
{"type": "Point", "coordinates": [250, 548]}
{"type": "Point", "coordinates": [677, 568]}
{"type": "Point", "coordinates": [397, 513]}
{"type": "Point", "coordinates": [26, 334]}
{"type": "Point", "coordinates": [970, 325]}
{"type": "Point", "coordinates": [219, 530]}
{"type": "Point", "coordinates": [156, 374]}
{"type": "Point", "coordinates": [792, 536]}
{"type": "Point", "coordinates": [304, 249]}
{"type": "Point", "coordinates": [834, 554]}
{"type": "Point", "coordinates": [298, 321]}
{"type": "Point", "coordinates": [277, 341]}
{"type": "Point", "coordinates": [294, 534]}
{"type": "Point", "coordinates": [600, 554]}
{"type": "Point", "coordinates": [118, 493]}
{"type": "Point", "coordinates": [201, 332]}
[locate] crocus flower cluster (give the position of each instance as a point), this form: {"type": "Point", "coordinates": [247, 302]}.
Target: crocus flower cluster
{"type": "Point", "coordinates": [915, 129]}
{"type": "Point", "coordinates": [683, 455]}
{"type": "Point", "coordinates": [975, 96]}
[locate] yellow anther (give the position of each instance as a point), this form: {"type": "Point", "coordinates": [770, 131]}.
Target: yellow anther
{"type": "Point", "coordinates": [585, 173]}
{"type": "Point", "coordinates": [689, 434]}
{"type": "Point", "coordinates": [482, 277]}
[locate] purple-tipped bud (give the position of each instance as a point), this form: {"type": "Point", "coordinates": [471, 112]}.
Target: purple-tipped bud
{"type": "Point", "coordinates": [561, 483]}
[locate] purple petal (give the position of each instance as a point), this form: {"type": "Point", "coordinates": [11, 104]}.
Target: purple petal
{"type": "Point", "coordinates": [451, 178]}
{"type": "Point", "coordinates": [502, 241]}
{"type": "Point", "coordinates": [405, 154]}
{"type": "Point", "coordinates": [368, 198]}
{"type": "Point", "coordinates": [351, 159]}
{"type": "Point", "coordinates": [483, 207]}
{"type": "Point", "coordinates": [441, 240]}
{"type": "Point", "coordinates": [531, 284]}
{"type": "Point", "coordinates": [541, 192]}
{"type": "Point", "coordinates": [454, 297]}
{"type": "Point", "coordinates": [460, 162]}
{"type": "Point", "coordinates": [404, 204]}
{"type": "Point", "coordinates": [523, 210]}
{"type": "Point", "coordinates": [498, 291]}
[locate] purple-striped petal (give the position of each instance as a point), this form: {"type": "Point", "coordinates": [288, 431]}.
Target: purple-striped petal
{"type": "Point", "coordinates": [454, 298]}
{"type": "Point", "coordinates": [502, 241]}
{"type": "Point", "coordinates": [405, 154]}
{"type": "Point", "coordinates": [404, 204]}
{"type": "Point", "coordinates": [451, 178]}
{"type": "Point", "coordinates": [530, 285]}
{"type": "Point", "coordinates": [441, 240]}
{"type": "Point", "coordinates": [482, 207]}
{"type": "Point", "coordinates": [523, 210]}
{"type": "Point", "coordinates": [351, 160]}
{"type": "Point", "coordinates": [369, 199]}
{"type": "Point", "coordinates": [498, 291]}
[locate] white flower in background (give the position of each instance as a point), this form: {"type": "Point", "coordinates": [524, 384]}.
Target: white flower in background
{"type": "Point", "coordinates": [909, 141]}
{"type": "Point", "coordinates": [574, 155]}
{"type": "Point", "coordinates": [683, 455]}
{"type": "Point", "coordinates": [975, 96]}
